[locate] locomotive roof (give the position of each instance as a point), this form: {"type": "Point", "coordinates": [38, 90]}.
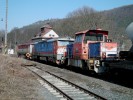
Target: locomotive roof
{"type": "Point", "coordinates": [57, 39]}
{"type": "Point", "coordinates": [39, 37]}
{"type": "Point", "coordinates": [30, 43]}
{"type": "Point", "coordinates": [61, 39]}
{"type": "Point", "coordinates": [96, 31]}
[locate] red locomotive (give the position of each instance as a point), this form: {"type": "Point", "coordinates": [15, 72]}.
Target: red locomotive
{"type": "Point", "coordinates": [91, 50]}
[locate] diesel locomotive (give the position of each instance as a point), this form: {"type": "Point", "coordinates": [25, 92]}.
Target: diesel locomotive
{"type": "Point", "coordinates": [90, 50]}
{"type": "Point", "coordinates": [52, 50]}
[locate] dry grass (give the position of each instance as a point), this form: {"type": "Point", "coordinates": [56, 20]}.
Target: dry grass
{"type": "Point", "coordinates": [16, 82]}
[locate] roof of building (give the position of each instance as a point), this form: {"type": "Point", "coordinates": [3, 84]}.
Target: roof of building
{"type": "Point", "coordinates": [46, 26]}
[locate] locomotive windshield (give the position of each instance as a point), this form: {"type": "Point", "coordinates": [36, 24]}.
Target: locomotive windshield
{"type": "Point", "coordinates": [93, 37]}
{"type": "Point", "coordinates": [64, 43]}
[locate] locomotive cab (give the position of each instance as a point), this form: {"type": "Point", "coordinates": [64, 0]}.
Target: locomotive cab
{"type": "Point", "coordinates": [92, 50]}
{"type": "Point", "coordinates": [95, 35]}
{"type": "Point", "coordinates": [84, 39]}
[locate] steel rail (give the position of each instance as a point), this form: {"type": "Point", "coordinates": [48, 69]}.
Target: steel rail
{"type": "Point", "coordinates": [76, 86]}
{"type": "Point", "coordinates": [65, 95]}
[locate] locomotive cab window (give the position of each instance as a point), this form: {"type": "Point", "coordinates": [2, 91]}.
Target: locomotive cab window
{"type": "Point", "coordinates": [93, 37]}
{"type": "Point", "coordinates": [79, 38]}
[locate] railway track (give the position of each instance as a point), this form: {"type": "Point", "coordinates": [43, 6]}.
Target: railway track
{"type": "Point", "coordinates": [62, 88]}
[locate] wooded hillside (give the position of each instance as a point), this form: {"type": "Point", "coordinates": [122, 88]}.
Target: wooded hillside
{"type": "Point", "coordinates": [114, 20]}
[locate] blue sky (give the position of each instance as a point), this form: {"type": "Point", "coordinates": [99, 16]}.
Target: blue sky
{"type": "Point", "coordinates": [25, 12]}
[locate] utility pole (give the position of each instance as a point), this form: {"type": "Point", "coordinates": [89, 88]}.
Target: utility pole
{"type": "Point", "coordinates": [6, 22]}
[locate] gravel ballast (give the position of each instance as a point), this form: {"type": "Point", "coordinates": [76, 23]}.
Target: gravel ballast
{"type": "Point", "coordinates": [18, 83]}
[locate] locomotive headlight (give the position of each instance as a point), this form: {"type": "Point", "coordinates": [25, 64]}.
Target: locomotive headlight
{"type": "Point", "coordinates": [97, 63]}
{"type": "Point", "coordinates": [84, 50]}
